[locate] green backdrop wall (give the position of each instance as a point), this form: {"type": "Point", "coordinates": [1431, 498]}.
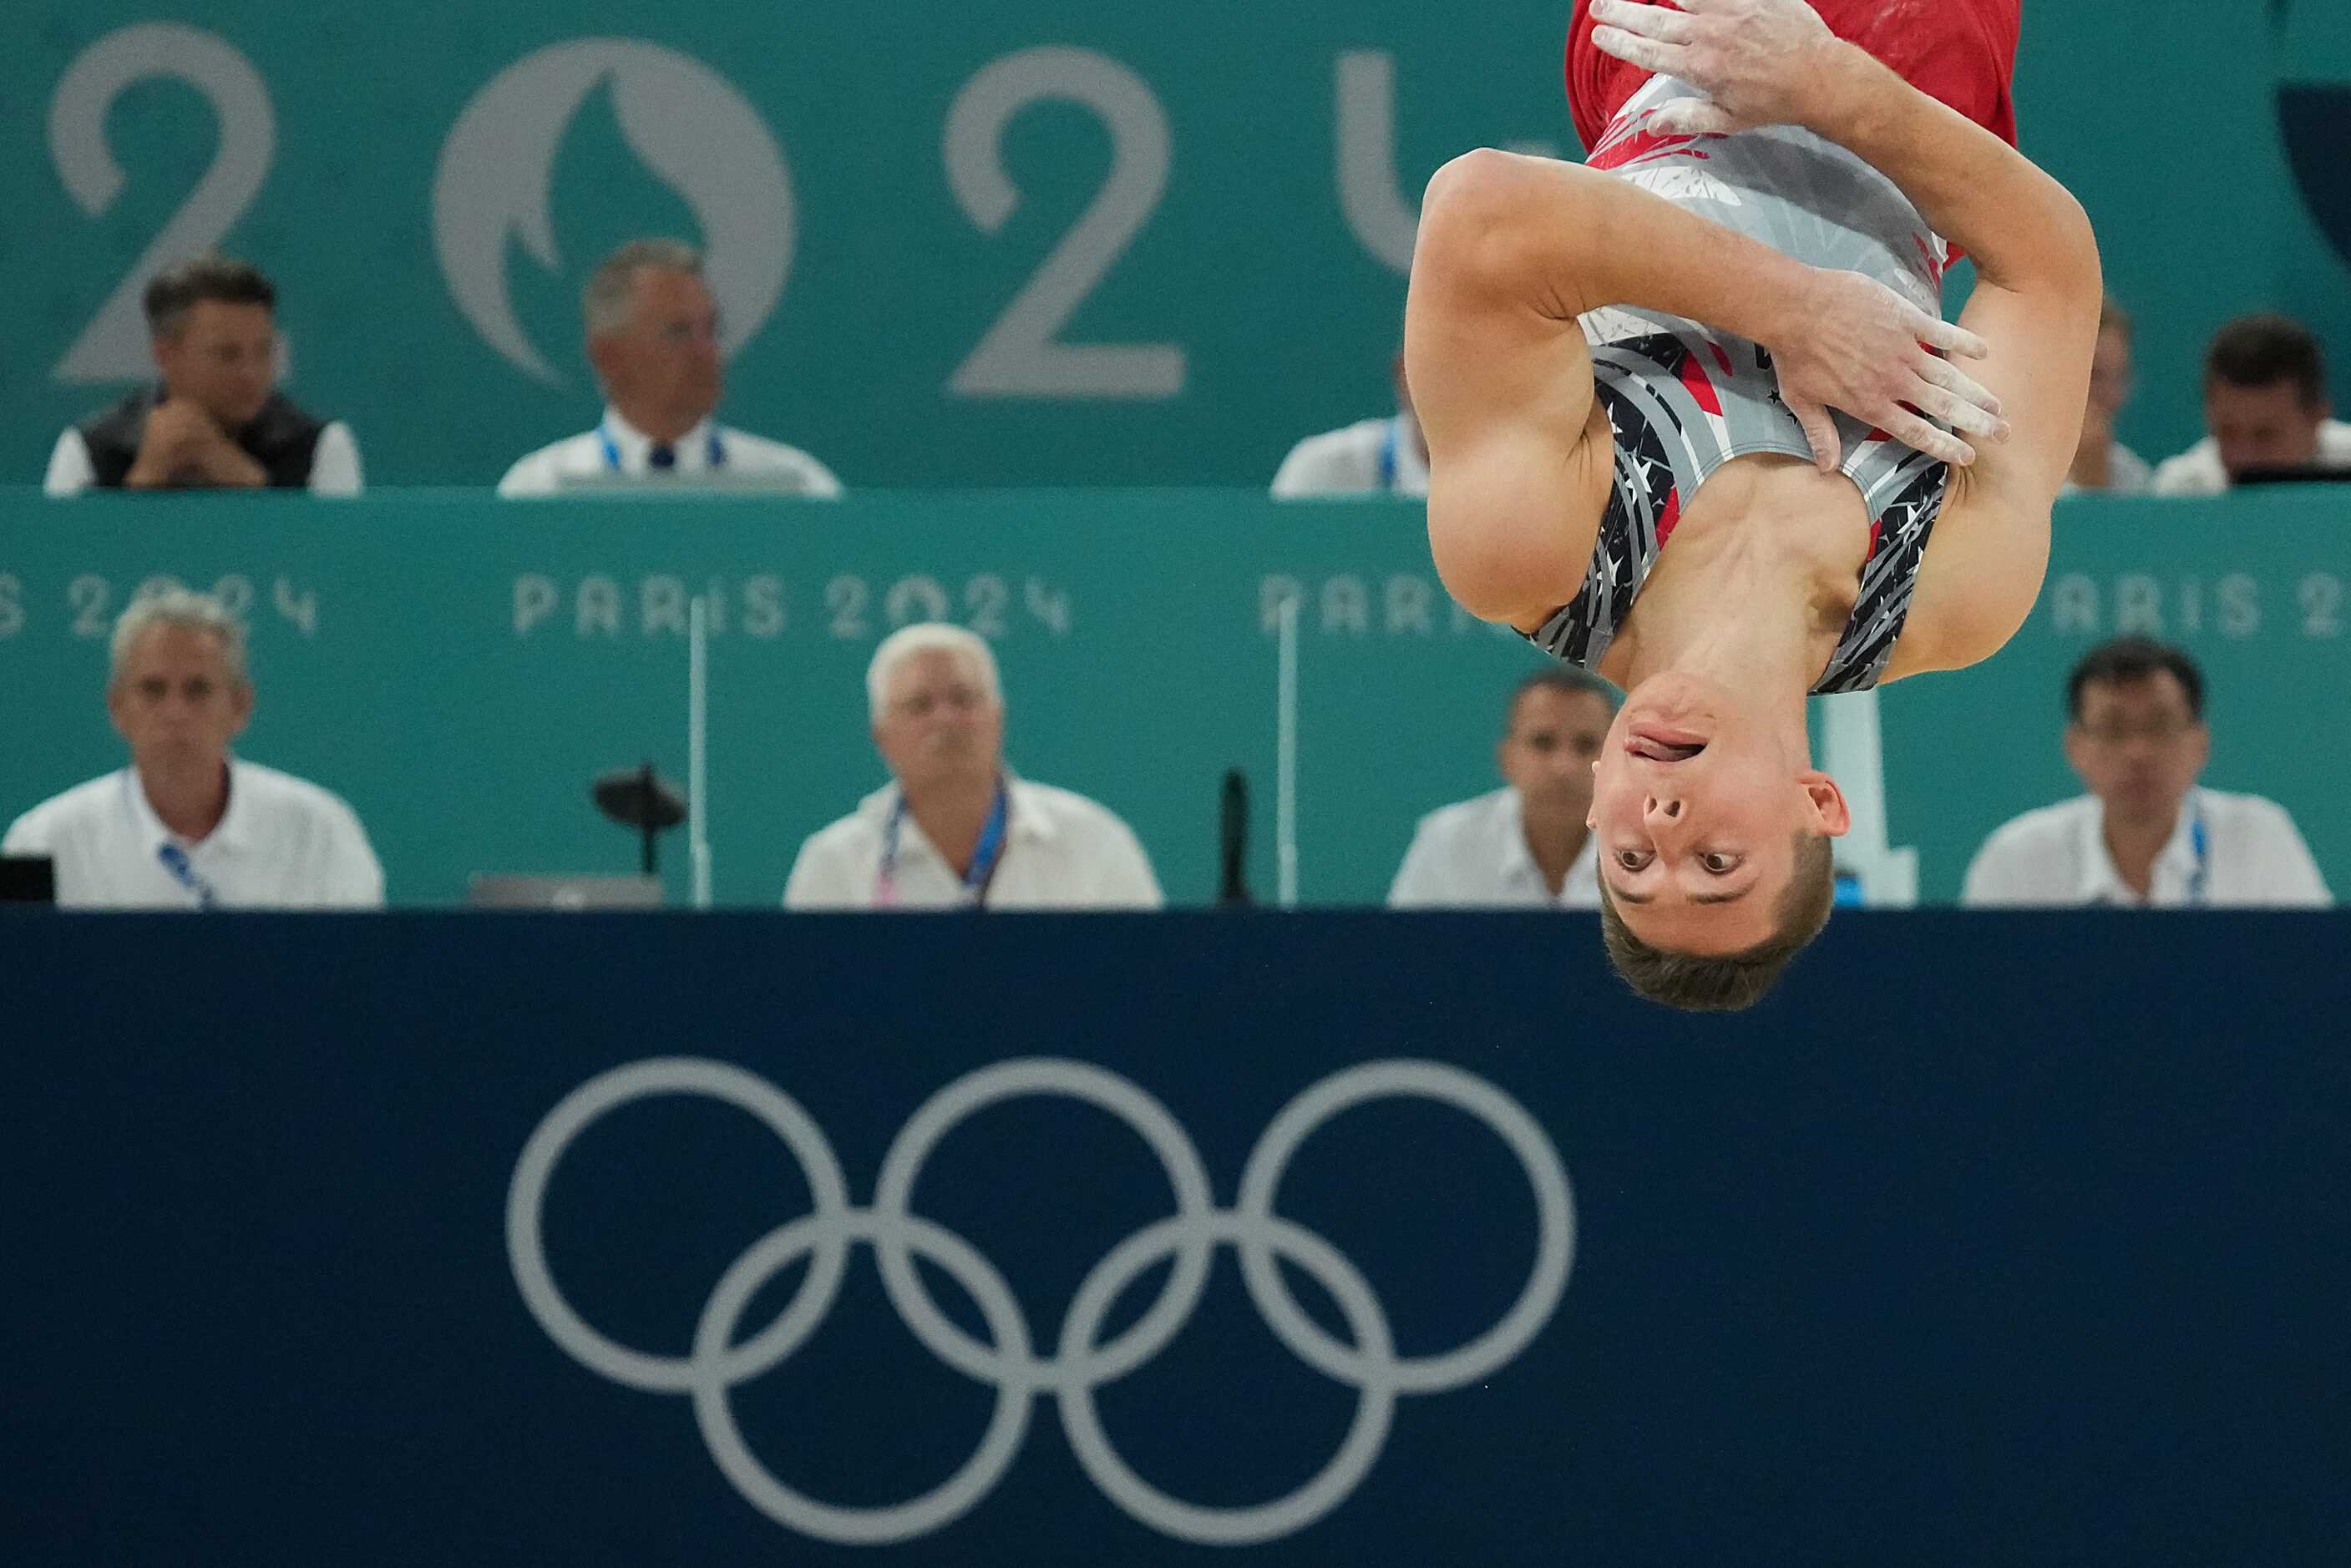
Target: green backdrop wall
{"type": "Point", "coordinates": [988, 242]}
{"type": "Point", "coordinates": [459, 669]}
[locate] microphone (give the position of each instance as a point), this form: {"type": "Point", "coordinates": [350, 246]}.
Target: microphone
{"type": "Point", "coordinates": [1232, 842]}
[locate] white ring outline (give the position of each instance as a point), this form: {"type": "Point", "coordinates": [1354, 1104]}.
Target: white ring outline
{"type": "Point", "coordinates": [1015, 1397]}
{"type": "Point", "coordinates": [1554, 1212]}
{"type": "Point", "coordinates": [527, 1206]}
{"type": "Point", "coordinates": [716, 1367]}
{"type": "Point", "coordinates": [1254, 1524]}
{"type": "Point", "coordinates": [1024, 1078]}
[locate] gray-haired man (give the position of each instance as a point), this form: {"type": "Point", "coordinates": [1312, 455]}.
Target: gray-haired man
{"type": "Point", "coordinates": [954, 828]}
{"type": "Point", "coordinates": [186, 825]}
{"type": "Point", "coordinates": [653, 336]}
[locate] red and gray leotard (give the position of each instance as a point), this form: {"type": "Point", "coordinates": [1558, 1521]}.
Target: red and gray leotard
{"type": "Point", "coordinates": [1958, 52]}
{"type": "Point", "coordinates": [1684, 399]}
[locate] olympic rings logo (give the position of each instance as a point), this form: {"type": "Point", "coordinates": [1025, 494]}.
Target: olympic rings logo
{"type": "Point", "coordinates": [1008, 1360]}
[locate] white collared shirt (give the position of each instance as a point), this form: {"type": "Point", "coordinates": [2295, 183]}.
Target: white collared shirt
{"type": "Point", "coordinates": [334, 464]}
{"type": "Point", "coordinates": [1474, 855]}
{"type": "Point", "coordinates": [283, 844]}
{"type": "Point", "coordinates": [2127, 474]}
{"type": "Point", "coordinates": [2198, 470]}
{"type": "Point", "coordinates": [747, 459]}
{"type": "Point", "coordinates": [1061, 851]}
{"type": "Point", "coordinates": [2253, 857]}
{"type": "Point", "coordinates": [1350, 462]}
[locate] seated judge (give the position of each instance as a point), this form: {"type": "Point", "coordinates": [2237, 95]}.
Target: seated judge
{"type": "Point", "coordinates": [214, 419]}
{"type": "Point", "coordinates": [1528, 844]}
{"type": "Point", "coordinates": [653, 337]}
{"type": "Point", "coordinates": [2148, 835]}
{"type": "Point", "coordinates": [2266, 408]}
{"type": "Point", "coordinates": [187, 826]}
{"type": "Point", "coordinates": [954, 828]}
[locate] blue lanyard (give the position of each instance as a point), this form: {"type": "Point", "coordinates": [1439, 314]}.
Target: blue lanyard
{"type": "Point", "coordinates": [985, 859]}
{"type": "Point", "coordinates": [714, 449]}
{"type": "Point", "coordinates": [2202, 842]}
{"type": "Point", "coordinates": [2199, 840]}
{"type": "Point", "coordinates": [183, 871]}
{"type": "Point", "coordinates": [1388, 449]}
{"type": "Point", "coordinates": [170, 856]}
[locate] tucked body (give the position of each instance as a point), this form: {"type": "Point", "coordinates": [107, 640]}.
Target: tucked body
{"type": "Point", "coordinates": [1628, 382]}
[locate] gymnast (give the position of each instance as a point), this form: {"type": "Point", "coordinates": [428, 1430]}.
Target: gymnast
{"type": "Point", "coordinates": [1696, 422]}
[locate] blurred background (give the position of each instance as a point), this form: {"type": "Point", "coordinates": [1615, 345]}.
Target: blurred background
{"type": "Point", "coordinates": [1051, 289]}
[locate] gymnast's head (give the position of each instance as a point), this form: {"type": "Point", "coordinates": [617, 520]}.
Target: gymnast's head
{"type": "Point", "coordinates": [1713, 832]}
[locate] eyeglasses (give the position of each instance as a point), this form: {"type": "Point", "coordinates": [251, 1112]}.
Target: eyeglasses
{"type": "Point", "coordinates": [955, 699]}
{"type": "Point", "coordinates": [2161, 730]}
{"type": "Point", "coordinates": [688, 334]}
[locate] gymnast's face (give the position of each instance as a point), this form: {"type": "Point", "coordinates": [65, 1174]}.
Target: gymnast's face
{"type": "Point", "coordinates": [1697, 805]}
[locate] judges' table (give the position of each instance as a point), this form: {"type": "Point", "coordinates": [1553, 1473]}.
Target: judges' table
{"type": "Point", "coordinates": [459, 669]}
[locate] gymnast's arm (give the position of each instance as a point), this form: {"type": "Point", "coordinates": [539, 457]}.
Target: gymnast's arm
{"type": "Point", "coordinates": [2036, 299]}
{"type": "Point", "coordinates": [1768, 62]}
{"type": "Point", "coordinates": [1512, 250]}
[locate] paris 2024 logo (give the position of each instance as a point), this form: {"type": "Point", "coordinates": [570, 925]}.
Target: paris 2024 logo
{"type": "Point", "coordinates": [688, 125]}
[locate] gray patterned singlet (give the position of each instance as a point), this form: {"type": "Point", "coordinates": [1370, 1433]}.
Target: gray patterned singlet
{"type": "Point", "coordinates": [1684, 399]}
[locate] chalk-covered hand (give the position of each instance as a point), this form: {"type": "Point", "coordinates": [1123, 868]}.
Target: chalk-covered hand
{"type": "Point", "coordinates": [1853, 344]}
{"type": "Point", "coordinates": [1755, 60]}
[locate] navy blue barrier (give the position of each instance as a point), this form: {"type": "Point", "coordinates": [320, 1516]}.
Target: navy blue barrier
{"type": "Point", "coordinates": [2010, 1241]}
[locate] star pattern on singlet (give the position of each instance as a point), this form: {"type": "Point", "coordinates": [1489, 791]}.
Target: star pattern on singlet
{"type": "Point", "coordinates": [1917, 487]}
{"type": "Point", "coordinates": [1668, 444]}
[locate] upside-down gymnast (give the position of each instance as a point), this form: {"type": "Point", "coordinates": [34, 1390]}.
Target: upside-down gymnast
{"type": "Point", "coordinates": [1626, 372]}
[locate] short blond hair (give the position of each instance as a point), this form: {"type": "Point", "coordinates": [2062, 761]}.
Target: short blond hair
{"type": "Point", "coordinates": [1696, 982]}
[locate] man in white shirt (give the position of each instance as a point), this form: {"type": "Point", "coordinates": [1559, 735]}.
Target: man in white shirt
{"type": "Point", "coordinates": [955, 829]}
{"type": "Point", "coordinates": [653, 336]}
{"type": "Point", "coordinates": [2266, 405]}
{"type": "Point", "coordinates": [2146, 835]}
{"type": "Point", "coordinates": [2101, 462]}
{"type": "Point", "coordinates": [1378, 457]}
{"type": "Point", "coordinates": [1530, 844]}
{"type": "Point", "coordinates": [217, 419]}
{"type": "Point", "coordinates": [185, 825]}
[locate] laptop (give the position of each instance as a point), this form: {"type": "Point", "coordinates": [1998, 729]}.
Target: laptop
{"type": "Point", "coordinates": [2300, 474]}
{"type": "Point", "coordinates": [571, 893]}
{"type": "Point", "coordinates": [29, 879]}
{"type": "Point", "coordinates": [709, 481]}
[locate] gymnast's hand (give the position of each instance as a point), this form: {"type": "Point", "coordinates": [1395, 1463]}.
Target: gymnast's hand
{"type": "Point", "coordinates": [1849, 342]}
{"type": "Point", "coordinates": [1754, 60]}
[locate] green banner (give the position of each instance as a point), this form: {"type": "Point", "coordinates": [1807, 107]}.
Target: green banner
{"type": "Point", "coordinates": [460, 668]}
{"type": "Point", "coordinates": [980, 244]}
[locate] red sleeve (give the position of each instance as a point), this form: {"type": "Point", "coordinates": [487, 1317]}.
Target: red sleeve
{"type": "Point", "coordinates": [1960, 52]}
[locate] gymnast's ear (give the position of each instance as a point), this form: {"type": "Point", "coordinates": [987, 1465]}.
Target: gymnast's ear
{"type": "Point", "coordinates": [1825, 811]}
